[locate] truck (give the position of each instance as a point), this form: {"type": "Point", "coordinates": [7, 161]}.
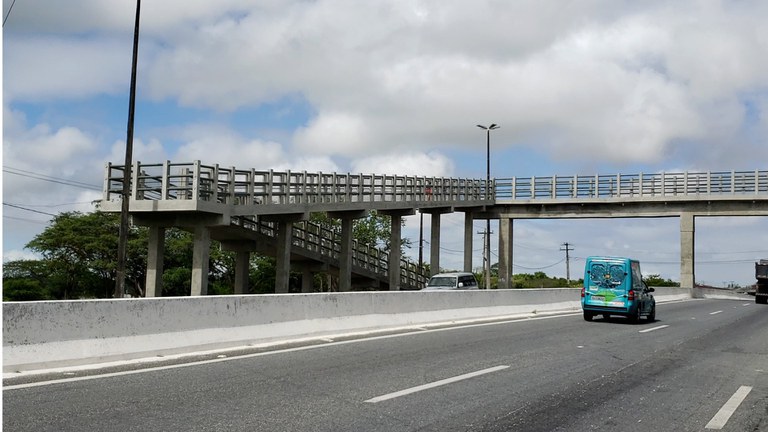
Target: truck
{"type": "Point", "coordinates": [761, 288]}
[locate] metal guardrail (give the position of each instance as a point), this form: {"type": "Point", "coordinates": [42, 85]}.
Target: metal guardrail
{"type": "Point", "coordinates": [196, 181]}
{"type": "Point", "coordinates": [634, 186]}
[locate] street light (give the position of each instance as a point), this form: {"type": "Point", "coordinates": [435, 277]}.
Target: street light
{"type": "Point", "coordinates": [487, 248]}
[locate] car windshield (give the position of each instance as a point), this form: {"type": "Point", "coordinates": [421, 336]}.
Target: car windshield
{"type": "Point", "coordinates": [442, 281]}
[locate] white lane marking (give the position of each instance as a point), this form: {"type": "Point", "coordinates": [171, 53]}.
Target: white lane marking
{"type": "Point", "coordinates": [435, 384]}
{"type": "Point", "coordinates": [715, 312]}
{"type": "Point", "coordinates": [653, 328]}
{"type": "Point", "coordinates": [725, 413]}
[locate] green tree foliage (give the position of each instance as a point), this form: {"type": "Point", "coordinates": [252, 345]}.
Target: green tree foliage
{"type": "Point", "coordinates": [79, 252]}
{"type": "Point", "coordinates": [656, 280]}
{"type": "Point", "coordinates": [79, 257]}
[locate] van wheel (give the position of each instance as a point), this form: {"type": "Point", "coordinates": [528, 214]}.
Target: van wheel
{"type": "Point", "coordinates": [588, 316]}
{"type": "Point", "coordinates": [635, 317]}
{"type": "Point", "coordinates": [652, 315]}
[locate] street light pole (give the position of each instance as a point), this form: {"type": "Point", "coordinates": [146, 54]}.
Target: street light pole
{"type": "Point", "coordinates": [487, 239]}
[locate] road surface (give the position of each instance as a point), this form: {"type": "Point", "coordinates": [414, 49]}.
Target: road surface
{"type": "Point", "coordinates": [702, 365]}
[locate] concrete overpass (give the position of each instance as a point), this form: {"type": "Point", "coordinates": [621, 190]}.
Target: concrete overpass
{"type": "Point", "coordinates": [230, 204]}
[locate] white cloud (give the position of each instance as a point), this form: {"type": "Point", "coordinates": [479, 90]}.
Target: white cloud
{"type": "Point", "coordinates": [431, 164]}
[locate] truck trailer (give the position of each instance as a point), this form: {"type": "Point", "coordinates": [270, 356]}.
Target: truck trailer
{"type": "Point", "coordinates": [761, 288]}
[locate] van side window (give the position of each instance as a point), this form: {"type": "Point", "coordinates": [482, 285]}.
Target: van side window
{"type": "Point", "coordinates": [467, 280]}
{"type": "Point", "coordinates": [637, 277]}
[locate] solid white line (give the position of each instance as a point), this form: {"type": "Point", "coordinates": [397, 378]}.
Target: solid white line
{"type": "Point", "coordinates": [653, 328]}
{"type": "Point", "coordinates": [725, 413]}
{"type": "Point", "coordinates": [715, 312]}
{"type": "Point", "coordinates": [435, 384]}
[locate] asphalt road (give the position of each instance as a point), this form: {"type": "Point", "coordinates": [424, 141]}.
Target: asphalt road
{"type": "Point", "coordinates": [702, 365]}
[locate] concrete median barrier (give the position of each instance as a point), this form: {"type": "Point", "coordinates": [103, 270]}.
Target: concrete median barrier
{"type": "Point", "coordinates": [42, 335]}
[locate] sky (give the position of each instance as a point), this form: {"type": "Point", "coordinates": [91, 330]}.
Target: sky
{"type": "Point", "coordinates": [397, 87]}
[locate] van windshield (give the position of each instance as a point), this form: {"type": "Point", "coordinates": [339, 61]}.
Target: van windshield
{"type": "Point", "coordinates": [607, 275]}
{"type": "Point", "coordinates": [442, 281]}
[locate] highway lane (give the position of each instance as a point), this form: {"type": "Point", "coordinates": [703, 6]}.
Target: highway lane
{"type": "Point", "coordinates": [554, 374]}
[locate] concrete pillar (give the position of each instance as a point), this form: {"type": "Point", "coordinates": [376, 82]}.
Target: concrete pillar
{"type": "Point", "coordinates": [155, 252]}
{"type": "Point", "coordinates": [200, 256]}
{"type": "Point", "coordinates": [345, 258]}
{"type": "Point", "coordinates": [307, 277]}
{"type": "Point", "coordinates": [687, 235]}
{"type": "Point", "coordinates": [468, 236]}
{"type": "Point", "coordinates": [505, 253]}
{"type": "Point", "coordinates": [434, 245]}
{"type": "Point", "coordinates": [395, 253]}
{"type": "Point", "coordinates": [242, 271]}
{"type": "Point", "coordinates": [283, 256]}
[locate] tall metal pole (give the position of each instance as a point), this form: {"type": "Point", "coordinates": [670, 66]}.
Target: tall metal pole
{"type": "Point", "coordinates": [487, 239]}
{"type": "Point", "coordinates": [122, 244]}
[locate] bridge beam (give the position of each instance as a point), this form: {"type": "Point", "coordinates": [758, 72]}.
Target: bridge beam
{"type": "Point", "coordinates": [687, 236]}
{"type": "Point", "coordinates": [155, 252]}
{"type": "Point", "coordinates": [505, 253]}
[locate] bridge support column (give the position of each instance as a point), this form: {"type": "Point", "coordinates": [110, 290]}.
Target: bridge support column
{"type": "Point", "coordinates": [200, 257]}
{"type": "Point", "coordinates": [434, 245]}
{"type": "Point", "coordinates": [395, 245]}
{"type": "Point", "coordinates": [283, 256]}
{"type": "Point", "coordinates": [505, 253]}
{"type": "Point", "coordinates": [242, 271]}
{"type": "Point", "coordinates": [395, 252]}
{"type": "Point", "coordinates": [687, 251]}
{"type": "Point", "coordinates": [468, 236]}
{"type": "Point", "coordinates": [307, 277]}
{"type": "Point", "coordinates": [155, 252]}
{"type": "Point", "coordinates": [345, 258]}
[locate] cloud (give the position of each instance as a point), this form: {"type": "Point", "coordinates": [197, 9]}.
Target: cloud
{"type": "Point", "coordinates": [431, 164]}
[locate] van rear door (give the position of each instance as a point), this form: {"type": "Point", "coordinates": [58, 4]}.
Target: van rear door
{"type": "Point", "coordinates": [607, 286]}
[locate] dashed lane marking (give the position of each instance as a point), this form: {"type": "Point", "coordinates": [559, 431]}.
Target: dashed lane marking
{"type": "Point", "coordinates": [653, 329]}
{"type": "Point", "coordinates": [435, 384]}
{"type": "Point", "coordinates": [725, 413]}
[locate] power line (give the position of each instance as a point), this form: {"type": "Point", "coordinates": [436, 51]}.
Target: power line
{"type": "Point", "coordinates": [37, 176]}
{"type": "Point", "coordinates": [28, 209]}
{"type": "Point", "coordinates": [25, 220]}
{"type": "Point", "coordinates": [9, 13]}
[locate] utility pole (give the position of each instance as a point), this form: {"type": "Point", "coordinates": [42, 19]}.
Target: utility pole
{"type": "Point", "coordinates": [567, 248]}
{"type": "Point", "coordinates": [122, 245]}
{"type": "Point", "coordinates": [486, 257]}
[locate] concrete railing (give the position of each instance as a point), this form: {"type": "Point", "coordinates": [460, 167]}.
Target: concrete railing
{"type": "Point", "coordinates": [195, 181]}
{"type": "Point", "coordinates": [693, 185]}
{"type": "Point", "coordinates": [43, 335]}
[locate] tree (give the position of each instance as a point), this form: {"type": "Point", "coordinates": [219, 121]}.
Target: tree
{"type": "Point", "coordinates": [657, 281]}
{"type": "Point", "coordinates": [78, 250]}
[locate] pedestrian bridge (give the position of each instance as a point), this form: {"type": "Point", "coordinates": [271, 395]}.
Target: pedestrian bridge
{"type": "Point", "coordinates": [249, 210]}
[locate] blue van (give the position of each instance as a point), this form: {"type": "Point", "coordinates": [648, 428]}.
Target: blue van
{"type": "Point", "coordinates": [614, 286]}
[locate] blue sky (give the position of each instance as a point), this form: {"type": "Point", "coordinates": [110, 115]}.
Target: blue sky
{"type": "Point", "coordinates": [397, 86]}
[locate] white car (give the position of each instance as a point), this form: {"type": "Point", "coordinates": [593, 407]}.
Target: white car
{"type": "Point", "coordinates": [452, 281]}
